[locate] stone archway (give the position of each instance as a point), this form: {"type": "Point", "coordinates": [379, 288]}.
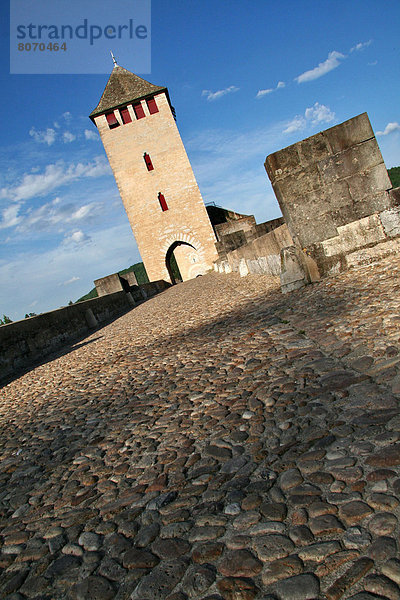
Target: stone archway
{"type": "Point", "coordinates": [188, 260]}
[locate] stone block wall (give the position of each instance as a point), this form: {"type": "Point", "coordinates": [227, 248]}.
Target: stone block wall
{"type": "Point", "coordinates": [332, 188]}
{"type": "Point", "coordinates": [259, 256]}
{"type": "Point", "coordinates": [115, 283]}
{"type": "Point", "coordinates": [245, 223]}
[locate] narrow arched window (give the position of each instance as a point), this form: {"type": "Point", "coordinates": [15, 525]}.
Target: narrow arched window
{"type": "Point", "coordinates": [163, 202]}
{"type": "Point", "coordinates": [148, 162]}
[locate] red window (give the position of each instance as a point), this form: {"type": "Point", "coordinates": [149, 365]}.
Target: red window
{"type": "Point", "coordinates": [139, 112]}
{"type": "Point", "coordinates": [148, 162]}
{"type": "Point", "coordinates": [163, 202]}
{"type": "Point", "coordinates": [152, 106]}
{"type": "Point", "coordinates": [112, 120]}
{"type": "Point", "coordinates": [125, 116]}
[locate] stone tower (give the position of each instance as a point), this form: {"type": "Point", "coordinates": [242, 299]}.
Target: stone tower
{"type": "Point", "coordinates": [165, 209]}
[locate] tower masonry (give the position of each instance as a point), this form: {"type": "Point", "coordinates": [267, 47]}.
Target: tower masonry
{"type": "Point", "coordinates": [165, 209]}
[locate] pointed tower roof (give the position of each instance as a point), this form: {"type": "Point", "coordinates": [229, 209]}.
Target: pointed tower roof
{"type": "Point", "coordinates": [124, 87]}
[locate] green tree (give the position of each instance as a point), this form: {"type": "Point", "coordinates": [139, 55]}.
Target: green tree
{"type": "Point", "coordinates": [394, 175]}
{"type": "Point", "coordinates": [5, 320]}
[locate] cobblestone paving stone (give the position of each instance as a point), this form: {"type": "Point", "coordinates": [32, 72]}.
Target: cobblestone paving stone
{"type": "Point", "coordinates": [220, 441]}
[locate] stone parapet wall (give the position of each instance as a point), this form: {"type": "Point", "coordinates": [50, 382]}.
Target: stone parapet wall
{"type": "Point", "coordinates": [330, 179]}
{"type": "Point", "coordinates": [240, 232]}
{"type": "Point", "coordinates": [340, 252]}
{"type": "Point", "coordinates": [260, 256]}
{"type": "Point", "coordinates": [29, 340]}
{"type": "Point", "coordinates": [335, 194]}
{"type": "Point", "coordinates": [115, 283]}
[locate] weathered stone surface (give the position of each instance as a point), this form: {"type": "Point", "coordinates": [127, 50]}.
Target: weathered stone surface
{"type": "Point", "coordinates": [271, 547]}
{"type": "Point", "coordinates": [66, 565]}
{"type": "Point", "coordinates": [383, 524]}
{"type": "Point", "coordinates": [111, 569]}
{"type": "Point", "coordinates": [354, 512]}
{"type": "Point", "coordinates": [90, 541]}
{"type": "Point", "coordinates": [352, 575]}
{"type": "Point", "coordinates": [318, 552]}
{"type": "Point", "coordinates": [383, 548]}
{"type": "Point", "coordinates": [392, 570]}
{"type": "Point", "coordinates": [93, 588]}
{"type": "Point", "coordinates": [139, 559]}
{"type": "Point", "coordinates": [202, 534]}
{"type": "Point", "coordinates": [382, 586]}
{"type": "Point", "coordinates": [290, 478]}
{"type": "Point", "coordinates": [281, 569]}
{"type": "Point", "coordinates": [161, 581]}
{"type": "Point", "coordinates": [170, 547]}
{"type": "Point", "coordinates": [236, 588]}
{"type": "Point", "coordinates": [207, 553]}
{"type": "Point", "coordinates": [333, 562]}
{"type": "Point", "coordinates": [122, 458]}
{"type": "Point", "coordinates": [239, 563]}
{"type": "Point", "coordinates": [197, 580]}
{"type": "Point", "coordinates": [325, 525]}
{"type": "Point", "coordinates": [301, 535]}
{"type": "Point", "coordinates": [299, 587]}
{"type": "Point", "coordinates": [387, 457]}
{"type": "Point", "coordinates": [274, 511]}
{"type": "Point", "coordinates": [356, 537]}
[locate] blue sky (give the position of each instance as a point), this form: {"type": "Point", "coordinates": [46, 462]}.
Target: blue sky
{"type": "Point", "coordinates": [246, 79]}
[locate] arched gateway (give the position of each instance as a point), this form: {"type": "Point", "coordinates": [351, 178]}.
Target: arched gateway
{"type": "Point", "coordinates": [137, 126]}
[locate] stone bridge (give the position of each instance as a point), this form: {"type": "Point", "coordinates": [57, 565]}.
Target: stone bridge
{"type": "Point", "coordinates": [220, 441]}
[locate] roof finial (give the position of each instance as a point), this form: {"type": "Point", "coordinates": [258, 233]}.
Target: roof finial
{"type": "Point", "coordinates": [113, 57]}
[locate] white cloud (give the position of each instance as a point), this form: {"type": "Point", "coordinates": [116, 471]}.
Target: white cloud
{"type": "Point", "coordinates": [323, 68]}
{"type": "Point", "coordinates": [10, 217]}
{"type": "Point", "coordinates": [67, 115]}
{"type": "Point", "coordinates": [68, 137]}
{"type": "Point", "coordinates": [54, 176]}
{"type": "Point", "coordinates": [47, 136]}
{"type": "Point", "coordinates": [390, 128]}
{"type": "Point", "coordinates": [319, 113]}
{"type": "Point", "coordinates": [77, 238]}
{"type": "Point", "coordinates": [314, 115]}
{"type": "Point", "coordinates": [69, 281]}
{"type": "Point", "coordinates": [295, 124]}
{"type": "Point", "coordinates": [373, 63]}
{"type": "Point", "coordinates": [261, 93]}
{"type": "Point", "coordinates": [215, 95]}
{"type": "Point", "coordinates": [360, 46]}
{"type": "Point", "coordinates": [228, 166]}
{"type": "Point", "coordinates": [56, 215]}
{"type": "Point", "coordinates": [91, 135]}
{"type": "Point", "coordinates": [85, 211]}
{"type": "Point", "coordinates": [112, 249]}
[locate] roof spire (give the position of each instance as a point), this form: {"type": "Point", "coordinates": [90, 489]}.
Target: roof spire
{"type": "Point", "coordinates": [113, 57]}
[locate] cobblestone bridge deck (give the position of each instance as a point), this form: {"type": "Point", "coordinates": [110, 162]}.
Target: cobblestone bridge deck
{"type": "Point", "coordinates": [220, 441]}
